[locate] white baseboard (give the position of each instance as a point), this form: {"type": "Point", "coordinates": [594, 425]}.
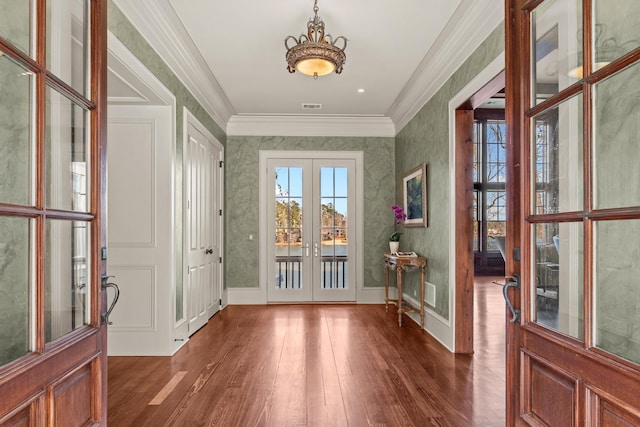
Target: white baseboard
{"type": "Point", "coordinates": [370, 295]}
{"type": "Point", "coordinates": [246, 296]}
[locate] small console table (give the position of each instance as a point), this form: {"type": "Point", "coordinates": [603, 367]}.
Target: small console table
{"type": "Point", "coordinates": [401, 265]}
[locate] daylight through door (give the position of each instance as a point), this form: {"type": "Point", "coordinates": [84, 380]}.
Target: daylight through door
{"type": "Point", "coordinates": [312, 249]}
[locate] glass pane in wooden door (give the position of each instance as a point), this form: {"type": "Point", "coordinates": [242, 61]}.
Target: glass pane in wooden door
{"type": "Point", "coordinates": [67, 154]}
{"type": "Point", "coordinates": [16, 131]}
{"type": "Point", "coordinates": [66, 277]}
{"type": "Point", "coordinates": [617, 288]}
{"type": "Point", "coordinates": [67, 47]}
{"type": "Point", "coordinates": [616, 30]}
{"type": "Point", "coordinates": [556, 48]}
{"type": "Point", "coordinates": [557, 157]}
{"type": "Point", "coordinates": [557, 301]}
{"type": "Point", "coordinates": [616, 146]}
{"type": "Point", "coordinates": [15, 288]}
{"type": "Point", "coordinates": [334, 228]}
{"type": "Point", "coordinates": [288, 228]}
{"type": "Point", "coordinates": [15, 23]}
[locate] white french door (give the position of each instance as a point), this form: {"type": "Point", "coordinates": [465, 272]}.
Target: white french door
{"type": "Point", "coordinates": [203, 230]}
{"type": "Point", "coordinates": [311, 213]}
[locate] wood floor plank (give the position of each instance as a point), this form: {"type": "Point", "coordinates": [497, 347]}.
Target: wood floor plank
{"type": "Point", "coordinates": [318, 365]}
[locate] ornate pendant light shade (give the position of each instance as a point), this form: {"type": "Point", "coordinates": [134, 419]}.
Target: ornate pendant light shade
{"type": "Point", "coordinates": [315, 53]}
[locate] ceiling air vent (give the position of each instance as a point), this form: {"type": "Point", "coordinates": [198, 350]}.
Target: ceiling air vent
{"type": "Point", "coordinates": [307, 106]}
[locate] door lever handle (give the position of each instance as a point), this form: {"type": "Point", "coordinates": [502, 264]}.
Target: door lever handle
{"type": "Point", "coordinates": [512, 282]}
{"type": "Point", "coordinates": [105, 285]}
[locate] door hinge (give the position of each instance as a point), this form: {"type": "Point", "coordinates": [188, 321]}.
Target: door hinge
{"type": "Point", "coordinates": [220, 260]}
{"type": "Point", "coordinates": [220, 301]}
{"type": "Point", "coordinates": [220, 212]}
{"type": "Point", "coordinates": [221, 163]}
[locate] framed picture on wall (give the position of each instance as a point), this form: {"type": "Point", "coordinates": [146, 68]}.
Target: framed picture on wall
{"type": "Point", "coordinates": [414, 184]}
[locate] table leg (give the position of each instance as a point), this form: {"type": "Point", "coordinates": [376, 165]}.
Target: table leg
{"type": "Point", "coordinates": [422, 297]}
{"type": "Point", "coordinates": [399, 276]}
{"type": "Point", "coordinates": [386, 287]}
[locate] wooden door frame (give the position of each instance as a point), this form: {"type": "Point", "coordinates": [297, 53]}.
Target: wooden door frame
{"type": "Point", "coordinates": [513, 91]}
{"type": "Point", "coordinates": [487, 83]}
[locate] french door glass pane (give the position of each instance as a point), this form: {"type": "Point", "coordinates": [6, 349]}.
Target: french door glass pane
{"type": "Point", "coordinates": [67, 156]}
{"type": "Point", "coordinates": [496, 217]}
{"type": "Point", "coordinates": [496, 151]}
{"type": "Point", "coordinates": [556, 51]}
{"type": "Point", "coordinates": [66, 277]}
{"type": "Point", "coordinates": [616, 147]}
{"type": "Point", "coordinates": [15, 307]}
{"type": "Point", "coordinates": [558, 277]}
{"type": "Point", "coordinates": [15, 23]}
{"type": "Point", "coordinates": [16, 150]}
{"type": "Point", "coordinates": [67, 42]}
{"type": "Point", "coordinates": [334, 228]}
{"type": "Point", "coordinates": [617, 289]}
{"type": "Point", "coordinates": [288, 230]}
{"type": "Point", "coordinates": [615, 30]}
{"type": "Point", "coordinates": [557, 158]}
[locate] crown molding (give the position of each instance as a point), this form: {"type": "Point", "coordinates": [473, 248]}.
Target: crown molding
{"type": "Point", "coordinates": [160, 26]}
{"type": "Point", "coordinates": [310, 126]}
{"type": "Point", "coordinates": [472, 22]}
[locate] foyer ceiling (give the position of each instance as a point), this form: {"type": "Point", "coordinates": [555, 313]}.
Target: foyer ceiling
{"type": "Point", "coordinates": [235, 50]}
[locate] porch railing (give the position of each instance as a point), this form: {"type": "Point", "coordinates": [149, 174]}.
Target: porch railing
{"type": "Point", "coordinates": [333, 272]}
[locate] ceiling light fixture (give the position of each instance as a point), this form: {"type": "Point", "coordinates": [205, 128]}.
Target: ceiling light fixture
{"type": "Point", "coordinates": [315, 53]}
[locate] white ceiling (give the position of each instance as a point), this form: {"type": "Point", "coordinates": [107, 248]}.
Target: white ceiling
{"type": "Point", "coordinates": [231, 54]}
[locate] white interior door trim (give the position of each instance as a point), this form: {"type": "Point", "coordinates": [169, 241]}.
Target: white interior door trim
{"type": "Point", "coordinates": [260, 296]}
{"type": "Point", "coordinates": [153, 92]}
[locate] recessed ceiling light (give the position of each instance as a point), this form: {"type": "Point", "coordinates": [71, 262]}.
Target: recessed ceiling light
{"type": "Point", "coordinates": [360, 90]}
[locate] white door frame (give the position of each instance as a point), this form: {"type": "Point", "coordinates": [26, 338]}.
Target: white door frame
{"type": "Point", "coordinates": [265, 155]}
{"type": "Point", "coordinates": [188, 119]}
{"type": "Point", "coordinates": [146, 90]}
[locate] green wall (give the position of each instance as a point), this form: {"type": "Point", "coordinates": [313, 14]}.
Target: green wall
{"type": "Point", "coordinates": [426, 139]}
{"type": "Point", "coordinates": [242, 157]}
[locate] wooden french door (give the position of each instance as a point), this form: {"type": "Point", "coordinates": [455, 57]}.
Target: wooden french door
{"type": "Point", "coordinates": [573, 88]}
{"type": "Point", "coordinates": [311, 212]}
{"type": "Point", "coordinates": [52, 204]}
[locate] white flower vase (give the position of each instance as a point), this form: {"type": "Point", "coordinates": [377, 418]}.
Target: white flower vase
{"type": "Point", "coordinates": [393, 246]}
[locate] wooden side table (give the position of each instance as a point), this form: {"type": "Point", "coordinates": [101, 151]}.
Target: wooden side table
{"type": "Point", "coordinates": [401, 265]}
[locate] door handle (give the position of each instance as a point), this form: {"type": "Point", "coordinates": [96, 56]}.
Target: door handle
{"type": "Point", "coordinates": [306, 249]}
{"type": "Point", "coordinates": [315, 249]}
{"type": "Point", "coordinates": [511, 282]}
{"type": "Point", "coordinates": [105, 285]}
{"type": "Point", "coordinates": [208, 251]}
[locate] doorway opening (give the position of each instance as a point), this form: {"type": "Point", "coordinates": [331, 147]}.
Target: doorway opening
{"type": "Point", "coordinates": [480, 199]}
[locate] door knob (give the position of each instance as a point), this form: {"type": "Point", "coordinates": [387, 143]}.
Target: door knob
{"type": "Point", "coordinates": [208, 251]}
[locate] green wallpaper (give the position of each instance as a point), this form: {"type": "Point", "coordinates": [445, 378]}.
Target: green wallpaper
{"type": "Point", "coordinates": [242, 157]}
{"type": "Point", "coordinates": [426, 139]}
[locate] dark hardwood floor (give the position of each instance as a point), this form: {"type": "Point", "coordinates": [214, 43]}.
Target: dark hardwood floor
{"type": "Point", "coordinates": [317, 365]}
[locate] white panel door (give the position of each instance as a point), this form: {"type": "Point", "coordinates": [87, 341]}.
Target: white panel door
{"type": "Point", "coordinates": [202, 233]}
{"type": "Point", "coordinates": [311, 246]}
{"type": "Point", "coordinates": [140, 234]}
